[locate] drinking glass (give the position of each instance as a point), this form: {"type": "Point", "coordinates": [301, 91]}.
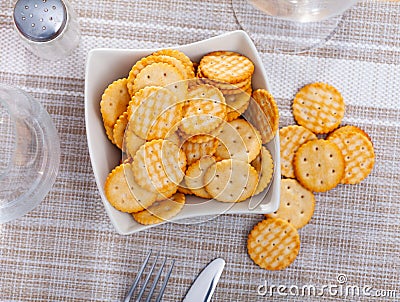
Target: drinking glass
{"type": "Point", "coordinates": [30, 153]}
{"type": "Point", "coordinates": [291, 26]}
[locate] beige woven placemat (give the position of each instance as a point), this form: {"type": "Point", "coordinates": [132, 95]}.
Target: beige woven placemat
{"type": "Point", "coordinates": [67, 250]}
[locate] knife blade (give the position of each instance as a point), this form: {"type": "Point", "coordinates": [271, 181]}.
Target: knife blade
{"type": "Point", "coordinates": [203, 287]}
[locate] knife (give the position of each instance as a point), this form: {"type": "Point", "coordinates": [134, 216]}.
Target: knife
{"type": "Point", "coordinates": [203, 287]}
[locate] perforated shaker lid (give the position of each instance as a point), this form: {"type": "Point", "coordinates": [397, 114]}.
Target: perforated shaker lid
{"type": "Point", "coordinates": [40, 20]}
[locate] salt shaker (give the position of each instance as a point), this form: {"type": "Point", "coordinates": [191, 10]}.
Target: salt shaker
{"type": "Point", "coordinates": [48, 28]}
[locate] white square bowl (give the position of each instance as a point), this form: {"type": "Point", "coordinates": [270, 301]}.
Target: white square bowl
{"type": "Point", "coordinates": [103, 66]}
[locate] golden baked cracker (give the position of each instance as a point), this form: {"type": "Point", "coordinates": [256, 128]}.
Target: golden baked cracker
{"type": "Point", "coordinates": [194, 177]}
{"type": "Point", "coordinates": [296, 204]}
{"type": "Point", "coordinates": [202, 138]}
{"type": "Point", "coordinates": [123, 193]}
{"type": "Point", "coordinates": [146, 61]}
{"type": "Point", "coordinates": [318, 165]}
{"type": "Point", "coordinates": [162, 75]}
{"type": "Point", "coordinates": [167, 194]}
{"type": "Point", "coordinates": [234, 114]}
{"type": "Point", "coordinates": [263, 113]}
{"type": "Point", "coordinates": [319, 107]}
{"type": "Point", "coordinates": [204, 111]}
{"type": "Point", "coordinates": [231, 180]}
{"type": "Point", "coordinates": [264, 166]}
{"type": "Point", "coordinates": [350, 128]}
{"type": "Point", "coordinates": [195, 151]}
{"type": "Point", "coordinates": [238, 100]}
{"type": "Point", "coordinates": [291, 138]}
{"type": "Point", "coordinates": [236, 90]}
{"type": "Point", "coordinates": [154, 111]}
{"type": "Point", "coordinates": [131, 142]}
{"type": "Point", "coordinates": [182, 188]}
{"type": "Point", "coordinates": [358, 153]}
{"type": "Point", "coordinates": [161, 211]}
{"type": "Point", "coordinates": [226, 66]}
{"type": "Point", "coordinates": [225, 86]}
{"type": "Point", "coordinates": [159, 165]}
{"type": "Point", "coordinates": [178, 55]}
{"type": "Point", "coordinates": [114, 101]}
{"type": "Point", "coordinates": [119, 129]}
{"type": "Point", "coordinates": [110, 133]}
{"type": "Point", "coordinates": [238, 140]}
{"type": "Point", "coordinates": [273, 244]}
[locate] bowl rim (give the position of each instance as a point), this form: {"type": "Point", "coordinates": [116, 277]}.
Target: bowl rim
{"type": "Point", "coordinates": [273, 202]}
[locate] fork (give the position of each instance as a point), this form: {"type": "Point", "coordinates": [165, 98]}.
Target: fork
{"type": "Point", "coordinates": [146, 281]}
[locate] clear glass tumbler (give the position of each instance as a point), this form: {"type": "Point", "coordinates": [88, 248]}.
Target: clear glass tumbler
{"type": "Point", "coordinates": [30, 153]}
{"type": "Point", "coordinates": [291, 26]}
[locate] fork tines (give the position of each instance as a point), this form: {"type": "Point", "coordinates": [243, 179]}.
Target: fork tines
{"type": "Point", "coordinates": [152, 290]}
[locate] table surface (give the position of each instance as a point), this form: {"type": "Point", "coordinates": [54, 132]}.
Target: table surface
{"type": "Point", "coordinates": [67, 249]}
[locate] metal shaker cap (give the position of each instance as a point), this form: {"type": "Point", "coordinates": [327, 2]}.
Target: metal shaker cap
{"type": "Point", "coordinates": [40, 20]}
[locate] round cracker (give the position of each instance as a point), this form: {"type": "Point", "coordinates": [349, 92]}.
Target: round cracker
{"type": "Point", "coordinates": [319, 107]}
{"type": "Point", "coordinates": [273, 244]}
{"type": "Point", "coordinates": [358, 153]}
{"type": "Point", "coordinates": [268, 123]}
{"type": "Point", "coordinates": [204, 111]}
{"type": "Point", "coordinates": [178, 55]}
{"type": "Point", "coordinates": [226, 66]}
{"type": "Point", "coordinates": [350, 128]}
{"type": "Point", "coordinates": [123, 192]}
{"type": "Point", "coordinates": [296, 204]}
{"type": "Point", "coordinates": [119, 129]}
{"type": "Point", "coordinates": [319, 165]}
{"type": "Point", "coordinates": [264, 166]}
{"type": "Point", "coordinates": [114, 101]}
{"type": "Point", "coordinates": [231, 180]}
{"type": "Point", "coordinates": [161, 211]}
{"type": "Point", "coordinates": [194, 177]}
{"type": "Point", "coordinates": [291, 138]}
{"type": "Point", "coordinates": [159, 166]}
{"type": "Point", "coordinates": [238, 139]}
{"type": "Point", "coordinates": [154, 111]}
{"type": "Point", "coordinates": [195, 151]}
{"type": "Point", "coordinates": [162, 75]}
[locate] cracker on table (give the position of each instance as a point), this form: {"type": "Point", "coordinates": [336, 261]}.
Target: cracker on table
{"type": "Point", "coordinates": [161, 211]}
{"type": "Point", "coordinates": [231, 180]}
{"type": "Point", "coordinates": [319, 107]}
{"type": "Point", "coordinates": [350, 128]}
{"type": "Point", "coordinates": [358, 153]}
{"type": "Point", "coordinates": [273, 244]}
{"type": "Point", "coordinates": [319, 165]}
{"type": "Point", "coordinates": [291, 138]}
{"type": "Point", "coordinates": [296, 204]}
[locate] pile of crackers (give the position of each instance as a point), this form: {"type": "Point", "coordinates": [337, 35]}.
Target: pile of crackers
{"type": "Point", "coordinates": [316, 156]}
{"type": "Point", "coordinates": [183, 134]}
